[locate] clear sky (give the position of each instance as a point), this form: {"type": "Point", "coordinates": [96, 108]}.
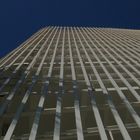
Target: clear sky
{"type": "Point", "coordinates": [19, 19]}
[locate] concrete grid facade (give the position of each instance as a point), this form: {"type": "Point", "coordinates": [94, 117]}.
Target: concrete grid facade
{"type": "Point", "coordinates": [72, 83]}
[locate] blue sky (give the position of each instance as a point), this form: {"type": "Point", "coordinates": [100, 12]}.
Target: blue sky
{"type": "Point", "coordinates": [19, 19]}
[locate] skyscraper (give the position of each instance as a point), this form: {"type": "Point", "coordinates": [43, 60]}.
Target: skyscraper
{"type": "Point", "coordinates": [72, 83]}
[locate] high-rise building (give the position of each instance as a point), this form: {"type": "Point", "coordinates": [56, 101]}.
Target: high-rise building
{"type": "Point", "coordinates": [72, 83]}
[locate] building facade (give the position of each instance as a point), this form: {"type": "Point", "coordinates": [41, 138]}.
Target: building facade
{"type": "Point", "coordinates": [72, 83]}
